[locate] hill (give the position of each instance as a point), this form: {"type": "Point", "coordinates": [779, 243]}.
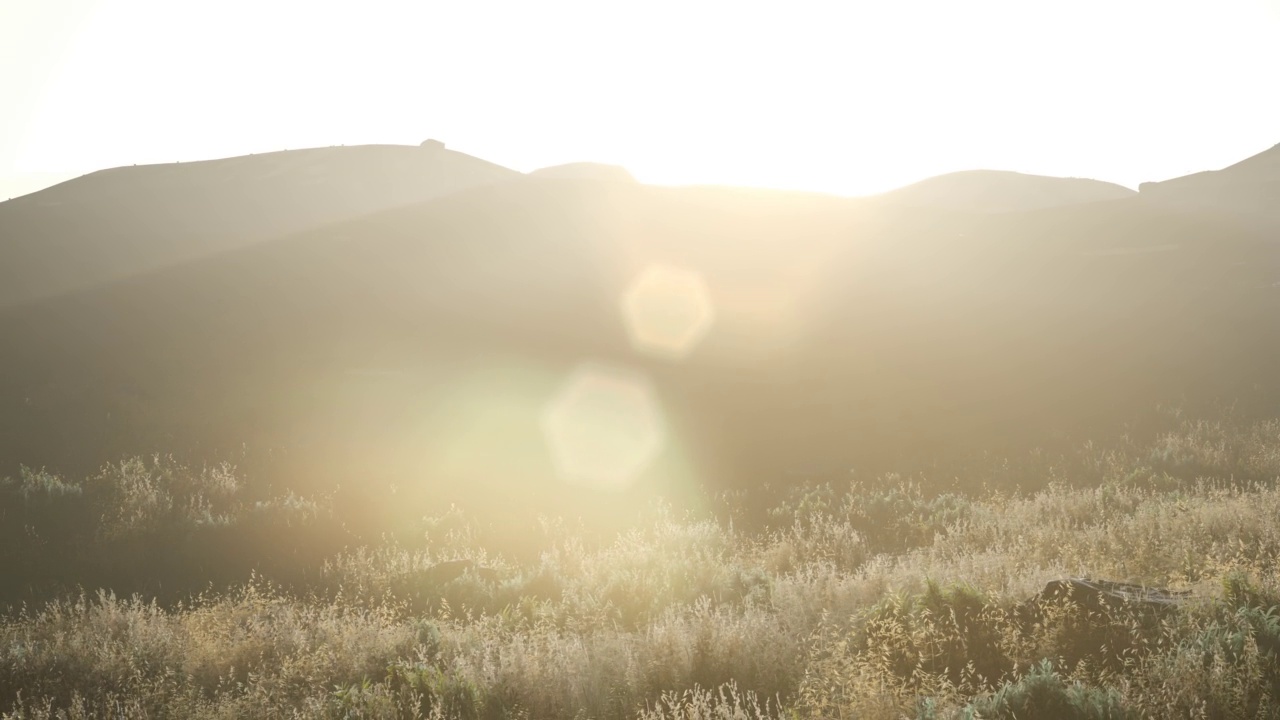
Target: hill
{"type": "Point", "coordinates": [997, 191]}
{"type": "Point", "coordinates": [273, 342]}
{"type": "Point", "coordinates": [115, 223]}
{"type": "Point", "coordinates": [426, 341]}
{"type": "Point", "coordinates": [1245, 192]}
{"type": "Point", "coordinates": [586, 171]}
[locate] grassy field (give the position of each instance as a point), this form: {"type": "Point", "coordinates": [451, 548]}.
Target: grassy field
{"type": "Point", "coordinates": [881, 597]}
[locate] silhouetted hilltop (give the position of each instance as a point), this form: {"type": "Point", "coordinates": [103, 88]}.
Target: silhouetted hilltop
{"type": "Point", "coordinates": [1248, 191]}
{"type": "Point", "coordinates": [114, 223]}
{"type": "Point", "coordinates": [1261, 168]}
{"type": "Point", "coordinates": [994, 191]}
{"type": "Point", "coordinates": [22, 184]}
{"type": "Point", "coordinates": [586, 171]}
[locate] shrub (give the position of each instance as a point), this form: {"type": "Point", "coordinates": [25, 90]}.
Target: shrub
{"type": "Point", "coordinates": [1043, 693]}
{"type": "Point", "coordinates": [143, 496]}
{"type": "Point", "coordinates": [36, 485]}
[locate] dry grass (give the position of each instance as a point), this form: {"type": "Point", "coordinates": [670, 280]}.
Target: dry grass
{"type": "Point", "coordinates": [877, 600]}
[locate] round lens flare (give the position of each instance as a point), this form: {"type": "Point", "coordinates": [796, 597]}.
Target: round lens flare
{"type": "Point", "coordinates": [603, 427]}
{"type": "Point", "coordinates": [667, 311]}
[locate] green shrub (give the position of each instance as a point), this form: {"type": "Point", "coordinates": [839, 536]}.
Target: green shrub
{"type": "Point", "coordinates": [1043, 693]}
{"type": "Point", "coordinates": [1226, 669]}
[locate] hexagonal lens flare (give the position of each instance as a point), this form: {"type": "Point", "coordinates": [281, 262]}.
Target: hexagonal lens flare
{"type": "Point", "coordinates": [667, 311]}
{"type": "Point", "coordinates": [603, 427]}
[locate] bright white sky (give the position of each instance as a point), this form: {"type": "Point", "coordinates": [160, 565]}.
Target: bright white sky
{"type": "Point", "coordinates": [844, 96]}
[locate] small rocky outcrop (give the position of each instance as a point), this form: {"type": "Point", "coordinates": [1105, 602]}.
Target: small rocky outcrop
{"type": "Point", "coordinates": [1098, 597]}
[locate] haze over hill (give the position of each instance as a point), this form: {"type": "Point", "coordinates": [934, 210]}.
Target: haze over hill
{"type": "Point", "coordinates": [1248, 191]}
{"type": "Point", "coordinates": [992, 191]}
{"type": "Point", "coordinates": [115, 223]}
{"type": "Point", "coordinates": [586, 171]}
{"type": "Point", "coordinates": [424, 341]}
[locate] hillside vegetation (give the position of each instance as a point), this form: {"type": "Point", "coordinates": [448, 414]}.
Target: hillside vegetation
{"type": "Point", "coordinates": [879, 597]}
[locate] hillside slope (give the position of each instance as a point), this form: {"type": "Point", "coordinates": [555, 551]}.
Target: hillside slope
{"type": "Point", "coordinates": [998, 191]}
{"type": "Point", "coordinates": [426, 340]}
{"type": "Point", "coordinates": [586, 171]}
{"type": "Point", "coordinates": [1246, 192]}
{"type": "Point", "coordinates": [114, 223]}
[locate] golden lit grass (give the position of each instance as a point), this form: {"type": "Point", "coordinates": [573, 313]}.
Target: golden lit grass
{"type": "Point", "coordinates": [879, 600]}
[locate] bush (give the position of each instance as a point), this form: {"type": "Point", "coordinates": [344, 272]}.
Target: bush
{"type": "Point", "coordinates": [156, 495]}
{"type": "Point", "coordinates": [1042, 693]}
{"type": "Point", "coordinates": [953, 633]}
{"type": "Point", "coordinates": [38, 485]}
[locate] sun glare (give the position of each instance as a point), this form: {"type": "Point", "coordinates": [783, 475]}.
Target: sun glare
{"type": "Point", "coordinates": [667, 311]}
{"type": "Point", "coordinates": [849, 98]}
{"type": "Point", "coordinates": [604, 427]}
